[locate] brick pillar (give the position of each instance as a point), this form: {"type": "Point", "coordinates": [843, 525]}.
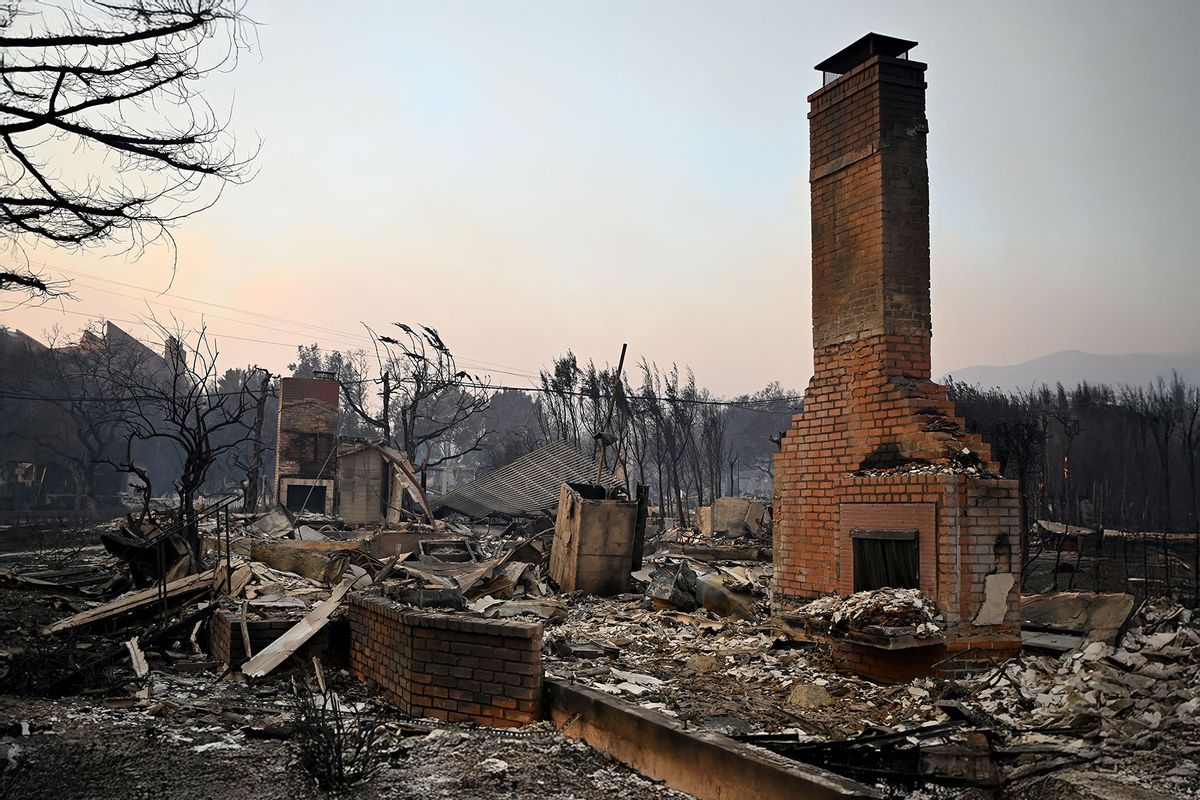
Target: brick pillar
{"type": "Point", "coordinates": [870, 207]}
{"type": "Point", "coordinates": [307, 436]}
{"type": "Point", "coordinates": [871, 405]}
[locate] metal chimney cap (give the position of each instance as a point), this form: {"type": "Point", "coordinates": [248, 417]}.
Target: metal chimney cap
{"type": "Point", "coordinates": [873, 44]}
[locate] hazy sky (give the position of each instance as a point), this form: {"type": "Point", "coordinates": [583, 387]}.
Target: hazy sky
{"type": "Point", "coordinates": [535, 176]}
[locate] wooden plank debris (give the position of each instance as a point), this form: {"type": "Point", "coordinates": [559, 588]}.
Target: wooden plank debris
{"type": "Point", "coordinates": [184, 587]}
{"type": "Point", "coordinates": [138, 658]}
{"type": "Point", "coordinates": [282, 648]}
{"type": "Point", "coordinates": [245, 631]}
{"type": "Point", "coordinates": [409, 476]}
{"type": "Point", "coordinates": [69, 681]}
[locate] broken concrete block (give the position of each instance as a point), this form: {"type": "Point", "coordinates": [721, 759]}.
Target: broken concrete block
{"type": "Point", "coordinates": [807, 695]}
{"type": "Point", "coordinates": [1099, 617]}
{"type": "Point", "coordinates": [756, 512]}
{"type": "Point", "coordinates": [995, 598]}
{"type": "Point", "coordinates": [729, 514]}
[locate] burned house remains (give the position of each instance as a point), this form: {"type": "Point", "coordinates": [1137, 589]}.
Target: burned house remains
{"type": "Point", "coordinates": [877, 483]}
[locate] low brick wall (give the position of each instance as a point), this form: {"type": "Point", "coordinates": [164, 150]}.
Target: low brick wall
{"type": "Point", "coordinates": [948, 660]}
{"type": "Point", "coordinates": [448, 666]}
{"type": "Point", "coordinates": [225, 636]}
{"type": "Point", "coordinates": [225, 639]}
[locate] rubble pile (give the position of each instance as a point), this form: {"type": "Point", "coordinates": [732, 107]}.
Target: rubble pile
{"type": "Point", "coordinates": [921, 468]}
{"type": "Point", "coordinates": [1100, 701]}
{"type": "Point", "coordinates": [959, 462]}
{"type": "Point", "coordinates": [204, 736]}
{"type": "Point", "coordinates": [731, 528]}
{"type": "Point", "coordinates": [693, 639]}
{"type": "Point", "coordinates": [889, 608]}
{"type": "Point", "coordinates": [269, 593]}
{"type": "Point", "coordinates": [495, 540]}
{"type": "Point", "coordinates": [679, 538]}
{"type": "Point", "coordinates": [893, 611]}
{"type": "Point", "coordinates": [723, 674]}
{"type": "Point", "coordinates": [728, 589]}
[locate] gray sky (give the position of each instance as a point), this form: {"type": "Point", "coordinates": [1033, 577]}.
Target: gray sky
{"type": "Point", "coordinates": [533, 176]}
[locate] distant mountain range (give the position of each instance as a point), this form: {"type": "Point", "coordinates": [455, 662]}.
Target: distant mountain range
{"type": "Point", "coordinates": [1071, 367]}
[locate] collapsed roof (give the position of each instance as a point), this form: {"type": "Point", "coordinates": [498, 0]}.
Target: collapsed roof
{"type": "Point", "coordinates": [527, 486]}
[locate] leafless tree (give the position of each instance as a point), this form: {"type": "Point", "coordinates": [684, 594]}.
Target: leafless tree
{"type": "Point", "coordinates": [713, 447]}
{"type": "Point", "coordinates": [1071, 427]}
{"type": "Point", "coordinates": [425, 400]}
{"type": "Point", "coordinates": [140, 478]}
{"type": "Point", "coordinates": [104, 135]}
{"type": "Point", "coordinates": [180, 403]}
{"type": "Point", "coordinates": [671, 403]}
{"type": "Point", "coordinates": [557, 401]}
{"type": "Point", "coordinates": [1159, 408]}
{"type": "Point", "coordinates": [1188, 405]}
{"type": "Point", "coordinates": [253, 466]}
{"type": "Point", "coordinates": [639, 432]}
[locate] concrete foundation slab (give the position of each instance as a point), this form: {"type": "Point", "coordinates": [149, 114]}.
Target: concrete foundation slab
{"type": "Point", "coordinates": [701, 763]}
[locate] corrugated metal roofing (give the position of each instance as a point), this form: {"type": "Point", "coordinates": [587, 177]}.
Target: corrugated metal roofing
{"type": "Point", "coordinates": [526, 486]}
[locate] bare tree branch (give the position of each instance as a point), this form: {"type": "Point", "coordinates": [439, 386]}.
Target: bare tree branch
{"type": "Point", "coordinates": [104, 136]}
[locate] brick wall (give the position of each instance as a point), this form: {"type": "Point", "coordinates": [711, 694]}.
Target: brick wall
{"type": "Point", "coordinates": [871, 404]}
{"type": "Point", "coordinates": [225, 638]}
{"type": "Point", "coordinates": [448, 666]}
{"type": "Point", "coordinates": [954, 660]}
{"type": "Point", "coordinates": [870, 247]}
{"type": "Point", "coordinates": [867, 407]}
{"type": "Point", "coordinates": [307, 428]}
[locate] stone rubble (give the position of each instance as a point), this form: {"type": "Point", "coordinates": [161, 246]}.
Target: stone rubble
{"type": "Point", "coordinates": [724, 674]}
{"type": "Point", "coordinates": [891, 609]}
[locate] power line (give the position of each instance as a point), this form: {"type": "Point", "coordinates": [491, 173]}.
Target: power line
{"type": "Point", "coordinates": [290, 345]}
{"type": "Point", "coordinates": [295, 323]}
{"type": "Point", "coordinates": [203, 313]}
{"type": "Point", "coordinates": [214, 334]}
{"type": "Point", "coordinates": [325, 330]}
{"type": "Point", "coordinates": [743, 404]}
{"type": "Point", "coordinates": [466, 361]}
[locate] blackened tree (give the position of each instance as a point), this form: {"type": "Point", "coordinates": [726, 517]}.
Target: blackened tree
{"type": "Point", "coordinates": [182, 404]}
{"type": "Point", "coordinates": [426, 403]}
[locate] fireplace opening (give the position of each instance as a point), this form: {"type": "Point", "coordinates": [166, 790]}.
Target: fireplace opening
{"type": "Point", "coordinates": [301, 498]}
{"type": "Point", "coordinates": [885, 559]}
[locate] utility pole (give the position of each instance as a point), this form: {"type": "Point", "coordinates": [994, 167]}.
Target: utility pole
{"type": "Point", "coordinates": [612, 401]}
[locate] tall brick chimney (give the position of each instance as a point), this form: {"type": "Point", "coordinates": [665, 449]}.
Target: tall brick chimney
{"type": "Point", "coordinates": [305, 450]}
{"type": "Point", "coordinates": [877, 483]}
{"type": "Point", "coordinates": [870, 197]}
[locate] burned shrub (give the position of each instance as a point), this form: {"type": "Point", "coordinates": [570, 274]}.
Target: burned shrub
{"type": "Point", "coordinates": [38, 669]}
{"type": "Point", "coordinates": [336, 746]}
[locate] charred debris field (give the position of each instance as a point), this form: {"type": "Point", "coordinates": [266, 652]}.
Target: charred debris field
{"type": "Point", "coordinates": [115, 691]}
